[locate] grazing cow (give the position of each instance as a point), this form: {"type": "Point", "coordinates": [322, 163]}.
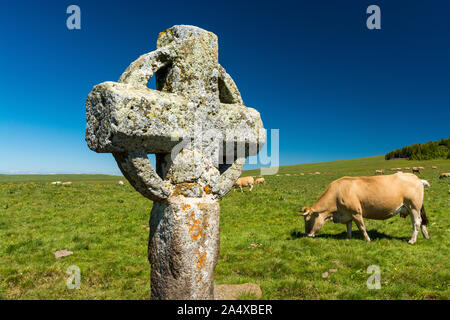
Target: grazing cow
{"type": "Point", "coordinates": [121, 183]}
{"type": "Point", "coordinates": [245, 182]}
{"type": "Point", "coordinates": [378, 197]}
{"type": "Point", "coordinates": [380, 171]}
{"type": "Point", "coordinates": [260, 180]}
{"type": "Point", "coordinates": [317, 172]}
{"type": "Point", "coordinates": [68, 183]}
{"type": "Point", "coordinates": [444, 175]}
{"type": "Point", "coordinates": [416, 169]}
{"type": "Point", "coordinates": [434, 167]}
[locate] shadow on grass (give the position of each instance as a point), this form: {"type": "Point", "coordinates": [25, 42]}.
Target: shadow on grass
{"type": "Point", "coordinates": [356, 234]}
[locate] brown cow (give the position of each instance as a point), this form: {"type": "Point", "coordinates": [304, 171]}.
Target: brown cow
{"type": "Point", "coordinates": [444, 175]}
{"type": "Point", "coordinates": [245, 182]}
{"type": "Point", "coordinates": [68, 183]}
{"type": "Point", "coordinates": [380, 171]}
{"type": "Point", "coordinates": [378, 197]}
{"type": "Point", "coordinates": [416, 169]}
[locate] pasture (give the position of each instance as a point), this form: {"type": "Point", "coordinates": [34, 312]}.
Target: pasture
{"type": "Point", "coordinates": [262, 238]}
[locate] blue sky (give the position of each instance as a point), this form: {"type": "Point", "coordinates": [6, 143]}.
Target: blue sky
{"type": "Point", "coordinates": [335, 89]}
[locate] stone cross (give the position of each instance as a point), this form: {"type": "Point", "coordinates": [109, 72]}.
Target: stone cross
{"type": "Point", "coordinates": [200, 132]}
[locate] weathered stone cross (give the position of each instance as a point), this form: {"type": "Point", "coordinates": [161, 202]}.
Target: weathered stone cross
{"type": "Point", "coordinates": [201, 132]}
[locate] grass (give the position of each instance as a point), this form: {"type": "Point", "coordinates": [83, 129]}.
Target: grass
{"type": "Point", "coordinates": [105, 225]}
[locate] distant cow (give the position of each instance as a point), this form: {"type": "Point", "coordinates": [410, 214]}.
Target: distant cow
{"type": "Point", "coordinates": [245, 182]}
{"type": "Point", "coordinates": [68, 183]}
{"type": "Point", "coordinates": [416, 169]}
{"type": "Point", "coordinates": [434, 167]}
{"type": "Point", "coordinates": [317, 172]}
{"type": "Point", "coordinates": [56, 182]}
{"type": "Point", "coordinates": [260, 180]}
{"type": "Point", "coordinates": [121, 183]}
{"type": "Point", "coordinates": [444, 175]}
{"type": "Point", "coordinates": [351, 199]}
{"type": "Point", "coordinates": [380, 171]}
{"type": "Point", "coordinates": [407, 168]}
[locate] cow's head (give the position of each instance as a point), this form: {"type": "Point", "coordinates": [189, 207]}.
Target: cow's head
{"type": "Point", "coordinates": [314, 220]}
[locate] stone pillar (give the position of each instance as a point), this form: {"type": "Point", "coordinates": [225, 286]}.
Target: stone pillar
{"type": "Point", "coordinates": [184, 247]}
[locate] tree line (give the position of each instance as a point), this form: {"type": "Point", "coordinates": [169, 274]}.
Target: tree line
{"type": "Point", "coordinates": [423, 151]}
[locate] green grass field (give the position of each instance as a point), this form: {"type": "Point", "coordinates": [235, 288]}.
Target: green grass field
{"type": "Point", "coordinates": [262, 239]}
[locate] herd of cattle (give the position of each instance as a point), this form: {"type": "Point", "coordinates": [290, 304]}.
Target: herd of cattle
{"type": "Point", "coordinates": [68, 183]}
{"type": "Point", "coordinates": [350, 199]}
{"type": "Point", "coordinates": [413, 169]}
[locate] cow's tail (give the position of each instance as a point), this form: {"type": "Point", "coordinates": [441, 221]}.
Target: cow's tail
{"type": "Point", "coordinates": [423, 215]}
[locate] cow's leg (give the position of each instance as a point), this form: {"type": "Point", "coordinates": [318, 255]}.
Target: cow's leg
{"type": "Point", "coordinates": [423, 226]}
{"type": "Point", "coordinates": [241, 189]}
{"type": "Point", "coordinates": [361, 226]}
{"type": "Point", "coordinates": [349, 230]}
{"type": "Point", "coordinates": [424, 230]}
{"type": "Point", "coordinates": [416, 221]}
{"type": "Point", "coordinates": [251, 187]}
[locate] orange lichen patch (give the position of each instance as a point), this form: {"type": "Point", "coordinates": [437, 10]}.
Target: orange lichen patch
{"type": "Point", "coordinates": [207, 189]}
{"type": "Point", "coordinates": [186, 207]}
{"type": "Point", "coordinates": [164, 32]}
{"type": "Point", "coordinates": [180, 189]}
{"type": "Point", "coordinates": [195, 227]}
{"type": "Point", "coordinates": [201, 259]}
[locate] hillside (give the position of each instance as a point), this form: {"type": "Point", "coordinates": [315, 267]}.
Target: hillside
{"type": "Point", "coordinates": [423, 151]}
{"type": "Point", "coordinates": [262, 238]}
